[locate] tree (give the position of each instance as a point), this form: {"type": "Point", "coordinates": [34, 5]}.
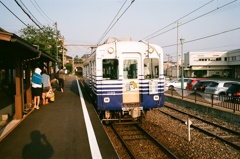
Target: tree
{"type": "Point", "coordinates": [69, 67]}
{"type": "Point", "coordinates": [45, 38]}
{"type": "Point", "coordinates": [78, 60]}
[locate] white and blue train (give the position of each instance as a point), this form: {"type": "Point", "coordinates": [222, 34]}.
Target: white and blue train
{"type": "Point", "coordinates": [125, 78]}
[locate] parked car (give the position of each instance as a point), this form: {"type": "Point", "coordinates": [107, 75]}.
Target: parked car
{"type": "Point", "coordinates": [233, 90]}
{"type": "Point", "coordinates": [201, 85]}
{"type": "Point", "coordinates": [218, 87]}
{"type": "Point", "coordinates": [176, 83]}
{"type": "Point", "coordinates": [191, 82]}
{"type": "Point", "coordinates": [233, 93]}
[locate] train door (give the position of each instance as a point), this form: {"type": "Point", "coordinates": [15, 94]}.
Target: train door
{"type": "Point", "coordinates": [131, 97]}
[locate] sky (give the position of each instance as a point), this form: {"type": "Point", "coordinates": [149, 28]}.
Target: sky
{"type": "Point", "coordinates": [205, 25]}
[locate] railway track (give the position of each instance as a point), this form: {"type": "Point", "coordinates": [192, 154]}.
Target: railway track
{"type": "Point", "coordinates": [229, 136]}
{"type": "Point", "coordinates": [139, 143]}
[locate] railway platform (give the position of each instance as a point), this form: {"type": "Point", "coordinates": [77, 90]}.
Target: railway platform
{"type": "Point", "coordinates": [66, 128]}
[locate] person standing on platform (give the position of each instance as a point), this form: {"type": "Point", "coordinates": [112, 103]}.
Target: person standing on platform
{"type": "Point", "coordinates": [37, 87]}
{"type": "Point", "coordinates": [46, 86]}
{"type": "Point", "coordinates": [61, 78]}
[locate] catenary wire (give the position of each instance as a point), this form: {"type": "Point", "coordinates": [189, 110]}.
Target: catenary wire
{"type": "Point", "coordinates": [193, 19]}
{"type": "Point", "coordinates": [39, 9]}
{"type": "Point", "coordinates": [205, 37]}
{"type": "Point", "coordinates": [118, 19]}
{"type": "Point", "coordinates": [178, 19]}
{"type": "Point", "coordinates": [111, 23]}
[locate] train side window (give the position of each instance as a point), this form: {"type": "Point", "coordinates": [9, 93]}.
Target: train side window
{"type": "Point", "coordinates": [130, 70]}
{"type": "Point", "coordinates": [151, 68]}
{"type": "Point", "coordinates": [110, 69]}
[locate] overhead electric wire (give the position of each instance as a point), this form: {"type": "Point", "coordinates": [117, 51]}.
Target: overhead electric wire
{"type": "Point", "coordinates": [13, 13]}
{"type": "Point", "coordinates": [193, 19]}
{"type": "Point", "coordinates": [44, 15]}
{"type": "Point", "coordinates": [30, 12]}
{"type": "Point", "coordinates": [38, 10]}
{"type": "Point", "coordinates": [111, 23]}
{"type": "Point", "coordinates": [18, 17]}
{"type": "Point", "coordinates": [205, 37]}
{"type": "Point", "coordinates": [196, 18]}
{"type": "Point", "coordinates": [116, 21]}
{"type": "Point", "coordinates": [27, 14]}
{"type": "Point", "coordinates": [179, 19]}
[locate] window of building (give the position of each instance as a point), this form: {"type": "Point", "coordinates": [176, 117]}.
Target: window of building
{"type": "Point", "coordinates": [212, 59]}
{"type": "Point", "coordinates": [238, 58]}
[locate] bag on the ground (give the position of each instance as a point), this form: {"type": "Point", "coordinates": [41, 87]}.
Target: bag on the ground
{"type": "Point", "coordinates": [49, 93]}
{"type": "Point", "coordinates": [52, 99]}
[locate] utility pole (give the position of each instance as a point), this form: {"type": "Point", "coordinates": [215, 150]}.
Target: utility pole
{"type": "Point", "coordinates": [63, 50]}
{"type": "Point", "coordinates": [177, 54]}
{"type": "Point", "coordinates": [169, 58]}
{"type": "Point", "coordinates": [182, 61]}
{"type": "Point", "coordinates": [55, 24]}
{"type": "Point", "coordinates": [169, 65]}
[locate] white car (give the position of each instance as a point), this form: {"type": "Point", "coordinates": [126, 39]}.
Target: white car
{"type": "Point", "coordinates": [176, 83]}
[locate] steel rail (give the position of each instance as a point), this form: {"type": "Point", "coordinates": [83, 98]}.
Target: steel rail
{"type": "Point", "coordinates": [203, 130]}
{"type": "Point", "coordinates": [148, 136]}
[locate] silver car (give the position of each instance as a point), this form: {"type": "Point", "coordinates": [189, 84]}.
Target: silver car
{"type": "Point", "coordinates": [218, 87]}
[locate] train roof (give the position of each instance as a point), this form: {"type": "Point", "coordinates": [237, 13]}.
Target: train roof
{"type": "Point", "coordinates": [112, 39]}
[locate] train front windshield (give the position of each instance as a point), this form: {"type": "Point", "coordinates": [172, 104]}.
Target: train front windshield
{"type": "Point", "coordinates": [130, 70]}
{"type": "Point", "coordinates": [151, 68]}
{"type": "Point", "coordinates": [110, 69]}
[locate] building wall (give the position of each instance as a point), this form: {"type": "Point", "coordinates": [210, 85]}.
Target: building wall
{"type": "Point", "coordinates": [234, 57]}
{"type": "Point", "coordinates": [206, 58]}
{"type": "Point", "coordinates": [223, 64]}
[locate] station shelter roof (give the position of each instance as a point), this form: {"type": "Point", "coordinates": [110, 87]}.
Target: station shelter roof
{"type": "Point", "coordinates": [13, 47]}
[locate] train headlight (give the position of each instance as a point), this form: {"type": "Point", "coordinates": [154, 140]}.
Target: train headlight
{"type": "Point", "coordinates": [110, 50]}
{"type": "Point", "coordinates": [106, 100]}
{"type": "Point", "coordinates": [150, 50]}
{"type": "Point", "coordinates": [156, 97]}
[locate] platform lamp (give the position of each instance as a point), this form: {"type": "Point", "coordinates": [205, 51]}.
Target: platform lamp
{"type": "Point", "coordinates": [182, 77]}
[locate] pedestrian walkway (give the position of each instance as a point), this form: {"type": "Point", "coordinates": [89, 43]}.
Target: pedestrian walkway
{"type": "Point", "coordinates": [59, 130]}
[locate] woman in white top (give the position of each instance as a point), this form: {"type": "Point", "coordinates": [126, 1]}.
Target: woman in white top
{"type": "Point", "coordinates": [36, 87]}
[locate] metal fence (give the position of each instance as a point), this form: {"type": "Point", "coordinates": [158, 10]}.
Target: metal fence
{"type": "Point", "coordinates": [232, 103]}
